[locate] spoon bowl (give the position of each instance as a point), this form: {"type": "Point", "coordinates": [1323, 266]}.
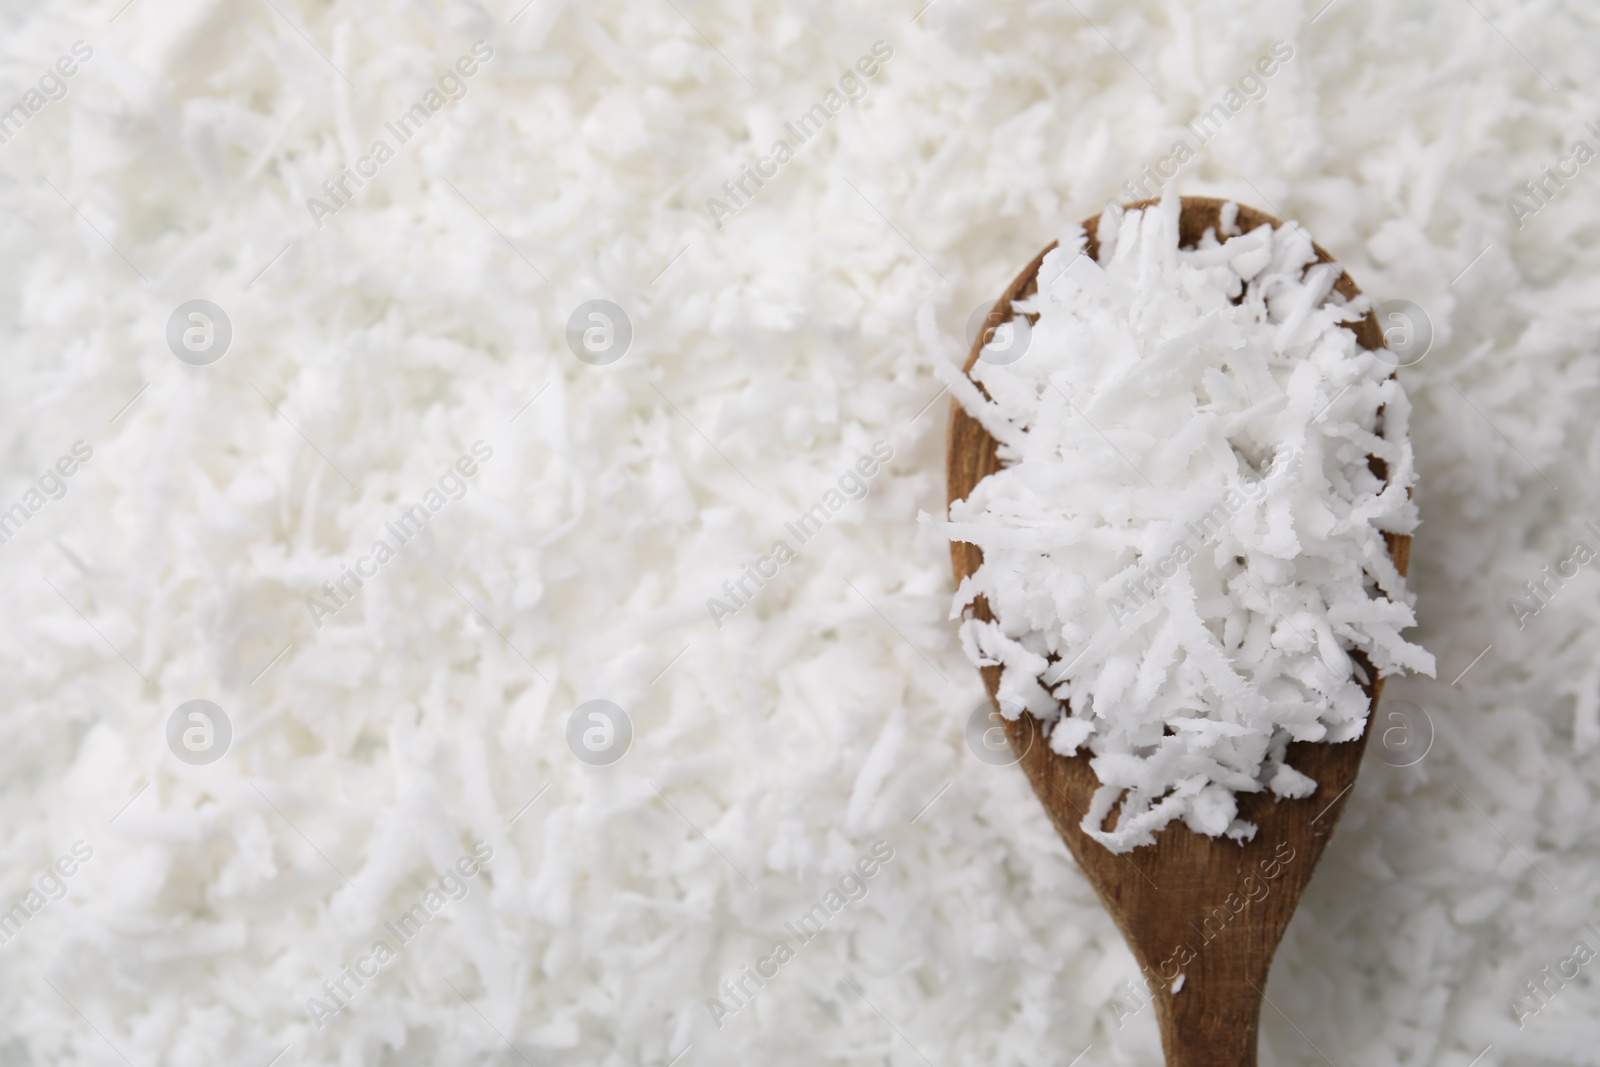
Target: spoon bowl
{"type": "Point", "coordinates": [1203, 915]}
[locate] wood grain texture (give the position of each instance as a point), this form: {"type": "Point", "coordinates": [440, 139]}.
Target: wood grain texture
{"type": "Point", "coordinates": [1207, 908]}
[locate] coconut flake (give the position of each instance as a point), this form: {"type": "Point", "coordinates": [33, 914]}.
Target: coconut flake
{"type": "Point", "coordinates": [1186, 514]}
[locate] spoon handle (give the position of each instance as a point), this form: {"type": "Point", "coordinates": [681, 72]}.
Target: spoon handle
{"type": "Point", "coordinates": [1210, 911]}
{"type": "Point", "coordinates": [1210, 1028]}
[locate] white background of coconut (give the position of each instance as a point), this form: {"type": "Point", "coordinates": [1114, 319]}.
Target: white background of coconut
{"type": "Point", "coordinates": [409, 327]}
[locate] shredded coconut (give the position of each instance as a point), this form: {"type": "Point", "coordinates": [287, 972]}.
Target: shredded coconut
{"type": "Point", "coordinates": [1185, 541]}
{"type": "Point", "coordinates": [432, 712]}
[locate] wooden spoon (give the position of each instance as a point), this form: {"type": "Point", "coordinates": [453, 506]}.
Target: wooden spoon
{"type": "Point", "coordinates": [1205, 908]}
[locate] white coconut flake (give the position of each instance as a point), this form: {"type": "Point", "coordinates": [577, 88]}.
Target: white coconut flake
{"type": "Point", "coordinates": [1187, 515]}
{"type": "Point", "coordinates": [577, 566]}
